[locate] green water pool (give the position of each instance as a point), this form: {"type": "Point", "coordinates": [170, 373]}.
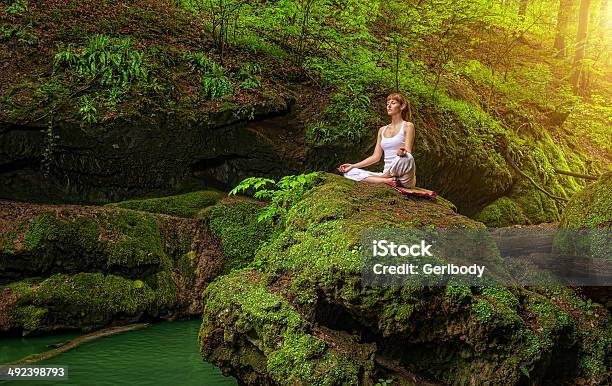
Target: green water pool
{"type": "Point", "coordinates": [165, 353]}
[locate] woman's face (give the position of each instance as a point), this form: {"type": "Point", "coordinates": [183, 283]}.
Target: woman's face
{"type": "Point", "coordinates": [393, 107]}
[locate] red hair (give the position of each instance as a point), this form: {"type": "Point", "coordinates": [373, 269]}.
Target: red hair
{"type": "Point", "coordinates": [407, 111]}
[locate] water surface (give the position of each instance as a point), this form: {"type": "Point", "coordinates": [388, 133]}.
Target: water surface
{"type": "Point", "coordinates": [164, 353]}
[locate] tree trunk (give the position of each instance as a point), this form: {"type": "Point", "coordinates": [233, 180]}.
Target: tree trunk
{"type": "Point", "coordinates": [581, 41]}
{"type": "Point", "coordinates": [522, 9]}
{"type": "Point", "coordinates": [563, 16]}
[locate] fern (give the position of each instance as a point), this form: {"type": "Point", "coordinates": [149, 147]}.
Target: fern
{"type": "Point", "coordinates": [248, 76]}
{"type": "Point", "coordinates": [254, 182]}
{"type": "Point", "coordinates": [110, 62]}
{"type": "Point", "coordinates": [285, 193]}
{"type": "Point", "coordinates": [214, 83]}
{"type": "Point", "coordinates": [88, 110]}
{"type": "Point", "coordinates": [214, 87]}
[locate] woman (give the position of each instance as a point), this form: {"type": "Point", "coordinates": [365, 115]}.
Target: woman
{"type": "Point", "coordinates": [395, 142]}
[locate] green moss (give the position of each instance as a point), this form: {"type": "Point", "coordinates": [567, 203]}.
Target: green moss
{"type": "Point", "coordinates": [318, 242]}
{"type": "Point", "coordinates": [148, 258]}
{"type": "Point", "coordinates": [83, 301]}
{"type": "Point", "coordinates": [8, 242]}
{"type": "Point", "coordinates": [9, 236]}
{"type": "Point", "coordinates": [50, 242]}
{"type": "Point", "coordinates": [592, 207]}
{"type": "Point", "coordinates": [165, 290]}
{"type": "Point", "coordinates": [183, 205]}
{"type": "Point", "coordinates": [186, 265]}
{"type": "Point", "coordinates": [456, 295]}
{"type": "Point", "coordinates": [498, 307]}
{"type": "Point", "coordinates": [305, 359]}
{"type": "Point", "coordinates": [539, 157]}
{"type": "Point", "coordinates": [121, 241]}
{"type": "Point", "coordinates": [501, 213]}
{"type": "Point", "coordinates": [140, 243]}
{"type": "Point", "coordinates": [535, 205]}
{"type": "Point", "coordinates": [587, 325]}
{"type": "Point", "coordinates": [483, 309]}
{"type": "Point", "coordinates": [29, 318]}
{"type": "Point", "coordinates": [23, 289]}
{"type": "Point", "coordinates": [46, 228]}
{"type": "Point", "coordinates": [43, 226]}
{"type": "Point", "coordinates": [240, 303]}
{"type": "Point", "coordinates": [524, 203]}
{"type": "Point", "coordinates": [93, 295]}
{"type": "Point", "coordinates": [240, 233]}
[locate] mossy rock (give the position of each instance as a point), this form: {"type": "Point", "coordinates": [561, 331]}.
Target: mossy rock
{"type": "Point", "coordinates": [523, 203]}
{"type": "Point", "coordinates": [47, 241]}
{"type": "Point", "coordinates": [182, 205]}
{"type": "Point", "coordinates": [502, 212]}
{"type": "Point", "coordinates": [273, 343]}
{"type": "Point", "coordinates": [172, 259]}
{"type": "Point", "coordinates": [84, 301]}
{"type": "Point", "coordinates": [235, 222]}
{"type": "Point", "coordinates": [453, 335]}
{"type": "Point", "coordinates": [592, 207]}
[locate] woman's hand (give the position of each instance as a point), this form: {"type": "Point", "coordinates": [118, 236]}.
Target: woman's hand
{"type": "Point", "coordinates": [345, 168]}
{"type": "Point", "coordinates": [402, 151]}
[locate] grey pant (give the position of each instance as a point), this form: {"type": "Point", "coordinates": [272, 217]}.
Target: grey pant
{"type": "Point", "coordinates": [404, 169]}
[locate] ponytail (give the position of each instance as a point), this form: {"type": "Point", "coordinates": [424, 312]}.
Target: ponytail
{"type": "Point", "coordinates": [407, 113]}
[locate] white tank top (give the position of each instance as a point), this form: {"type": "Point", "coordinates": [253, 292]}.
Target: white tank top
{"type": "Point", "coordinates": [390, 145]}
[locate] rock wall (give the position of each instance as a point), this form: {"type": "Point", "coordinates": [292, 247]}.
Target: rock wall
{"type": "Point", "coordinates": [154, 155]}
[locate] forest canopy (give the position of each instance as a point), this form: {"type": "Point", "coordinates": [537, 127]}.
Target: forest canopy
{"type": "Point", "coordinates": [487, 80]}
{"type": "Point", "coordinates": [545, 58]}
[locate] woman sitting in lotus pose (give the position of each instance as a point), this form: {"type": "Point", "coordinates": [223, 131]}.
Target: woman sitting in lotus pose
{"type": "Point", "coordinates": [395, 141]}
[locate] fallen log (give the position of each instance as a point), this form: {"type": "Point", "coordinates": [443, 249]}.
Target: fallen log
{"type": "Point", "coordinates": [34, 358]}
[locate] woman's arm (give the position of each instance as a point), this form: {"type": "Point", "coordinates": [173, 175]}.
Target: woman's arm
{"type": "Point", "coordinates": [409, 139]}
{"type": "Point", "coordinates": [375, 157]}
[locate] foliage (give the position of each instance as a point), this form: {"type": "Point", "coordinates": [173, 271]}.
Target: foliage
{"type": "Point", "coordinates": [104, 60]}
{"type": "Point", "coordinates": [87, 109]}
{"type": "Point", "coordinates": [214, 83]}
{"type": "Point", "coordinates": [24, 35]}
{"type": "Point", "coordinates": [249, 76]}
{"type": "Point", "coordinates": [349, 112]}
{"type": "Point", "coordinates": [221, 14]}
{"type": "Point", "coordinates": [286, 192]}
{"type": "Point", "coordinates": [111, 63]}
{"type": "Point", "coordinates": [16, 7]}
{"type": "Point", "coordinates": [214, 87]}
{"type": "Point", "coordinates": [201, 63]}
{"type": "Point", "coordinates": [257, 44]}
